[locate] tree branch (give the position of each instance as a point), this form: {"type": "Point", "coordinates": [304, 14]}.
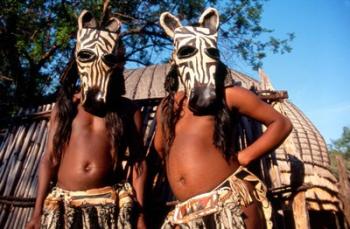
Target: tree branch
{"type": "Point", "coordinates": [137, 50]}
{"type": "Point", "coordinates": [105, 12]}
{"type": "Point", "coordinates": [105, 6]}
{"type": "Point", "coordinates": [141, 30]}
{"type": "Point", "coordinates": [127, 18]}
{"type": "Point", "coordinates": [5, 78]}
{"type": "Point", "coordinates": [47, 55]}
{"type": "Point", "coordinates": [124, 16]}
{"type": "Point", "coordinates": [132, 31]}
{"type": "Point", "coordinates": [33, 35]}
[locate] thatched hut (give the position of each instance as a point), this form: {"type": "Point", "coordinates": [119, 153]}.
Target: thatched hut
{"type": "Point", "coordinates": [297, 174]}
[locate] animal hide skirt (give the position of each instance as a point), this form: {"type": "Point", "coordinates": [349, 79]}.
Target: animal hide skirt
{"type": "Point", "coordinates": [222, 207]}
{"type": "Point", "coordinates": [107, 207]}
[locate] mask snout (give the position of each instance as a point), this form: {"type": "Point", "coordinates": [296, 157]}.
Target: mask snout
{"type": "Point", "coordinates": [203, 100]}
{"type": "Point", "coordinates": [95, 103]}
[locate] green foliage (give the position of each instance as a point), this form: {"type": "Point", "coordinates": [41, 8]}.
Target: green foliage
{"type": "Point", "coordinates": [340, 147]}
{"type": "Point", "coordinates": [334, 166]}
{"type": "Point", "coordinates": [63, 35]}
{"type": "Point", "coordinates": [37, 38]}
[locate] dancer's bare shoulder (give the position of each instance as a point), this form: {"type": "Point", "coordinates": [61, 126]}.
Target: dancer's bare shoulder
{"type": "Point", "coordinates": [248, 103]}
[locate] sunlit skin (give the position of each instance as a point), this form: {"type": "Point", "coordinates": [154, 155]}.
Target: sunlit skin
{"type": "Point", "coordinates": [194, 165]}
{"type": "Point", "coordinates": [87, 161]}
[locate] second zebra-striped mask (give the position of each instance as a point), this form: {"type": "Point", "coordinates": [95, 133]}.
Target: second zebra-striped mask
{"type": "Point", "coordinates": [98, 55]}
{"type": "Point", "coordinates": [196, 57]}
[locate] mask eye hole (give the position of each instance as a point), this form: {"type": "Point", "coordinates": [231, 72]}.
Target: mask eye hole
{"type": "Point", "coordinates": [86, 56]}
{"type": "Point", "coordinates": [186, 51]}
{"type": "Point", "coordinates": [111, 59]}
{"type": "Point", "coordinates": [213, 53]}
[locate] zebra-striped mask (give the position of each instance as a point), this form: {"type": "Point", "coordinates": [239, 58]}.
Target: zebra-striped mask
{"type": "Point", "coordinates": [97, 56]}
{"type": "Point", "coordinates": [196, 57]}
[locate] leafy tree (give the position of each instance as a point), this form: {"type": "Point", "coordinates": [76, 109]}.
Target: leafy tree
{"type": "Point", "coordinates": [35, 41]}
{"type": "Point", "coordinates": [341, 147]}
{"type": "Point", "coordinates": [37, 38]}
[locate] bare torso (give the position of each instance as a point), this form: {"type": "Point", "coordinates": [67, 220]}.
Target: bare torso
{"type": "Point", "coordinates": [87, 159]}
{"type": "Point", "coordinates": [194, 164]}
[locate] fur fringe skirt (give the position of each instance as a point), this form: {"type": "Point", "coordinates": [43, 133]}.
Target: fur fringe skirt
{"type": "Point", "coordinates": [107, 207]}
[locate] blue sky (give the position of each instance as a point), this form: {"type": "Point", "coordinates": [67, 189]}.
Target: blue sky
{"type": "Point", "coordinates": [316, 72]}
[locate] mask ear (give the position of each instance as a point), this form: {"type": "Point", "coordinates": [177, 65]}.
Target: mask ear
{"type": "Point", "coordinates": [210, 19]}
{"type": "Point", "coordinates": [113, 25]}
{"type": "Point", "coordinates": [169, 23]}
{"type": "Point", "coordinates": [86, 20]}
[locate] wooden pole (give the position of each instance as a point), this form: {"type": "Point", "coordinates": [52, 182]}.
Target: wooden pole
{"type": "Point", "coordinates": [5, 144]}
{"type": "Point", "coordinates": [17, 164]}
{"type": "Point", "coordinates": [300, 213]}
{"type": "Point", "coordinates": [105, 12]}
{"type": "Point", "coordinates": [18, 134]}
{"type": "Point", "coordinates": [344, 187]}
{"type": "Point", "coordinates": [32, 156]}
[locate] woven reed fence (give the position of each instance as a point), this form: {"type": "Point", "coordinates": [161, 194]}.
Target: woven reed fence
{"type": "Point", "coordinates": [20, 153]}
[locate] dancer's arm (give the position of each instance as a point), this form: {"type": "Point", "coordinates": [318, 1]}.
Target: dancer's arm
{"type": "Point", "coordinates": [278, 126]}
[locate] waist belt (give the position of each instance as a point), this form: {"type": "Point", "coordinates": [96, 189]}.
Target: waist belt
{"type": "Point", "coordinates": [99, 196]}
{"type": "Point", "coordinates": [202, 205]}
{"type": "Point", "coordinates": [92, 197]}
